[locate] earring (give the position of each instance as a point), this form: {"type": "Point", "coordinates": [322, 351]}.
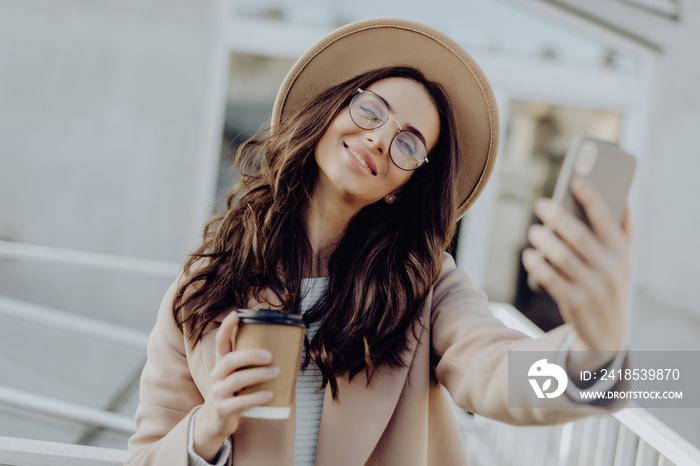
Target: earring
{"type": "Point", "coordinates": [390, 199]}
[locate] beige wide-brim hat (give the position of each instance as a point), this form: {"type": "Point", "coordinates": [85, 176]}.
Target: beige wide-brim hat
{"type": "Point", "coordinates": [376, 43]}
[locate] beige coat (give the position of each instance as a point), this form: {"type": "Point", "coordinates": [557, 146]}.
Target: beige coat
{"type": "Point", "coordinates": [403, 418]}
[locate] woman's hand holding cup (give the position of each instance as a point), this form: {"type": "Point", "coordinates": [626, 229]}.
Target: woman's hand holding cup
{"type": "Point", "coordinates": [219, 416]}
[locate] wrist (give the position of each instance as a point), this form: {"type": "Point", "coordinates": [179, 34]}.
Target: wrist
{"type": "Point", "coordinates": [575, 361]}
{"type": "Point", "coordinates": [205, 442]}
{"type": "Point", "coordinates": [582, 357]}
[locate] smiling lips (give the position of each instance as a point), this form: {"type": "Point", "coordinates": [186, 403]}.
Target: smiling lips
{"type": "Point", "coordinates": [361, 160]}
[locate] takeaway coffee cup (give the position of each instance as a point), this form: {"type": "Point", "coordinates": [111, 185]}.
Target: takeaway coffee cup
{"type": "Point", "coordinates": [283, 335]}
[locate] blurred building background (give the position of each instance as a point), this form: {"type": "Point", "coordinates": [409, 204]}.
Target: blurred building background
{"type": "Point", "coordinates": [119, 120]}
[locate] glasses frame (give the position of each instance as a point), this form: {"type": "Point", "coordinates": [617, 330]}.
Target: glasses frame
{"type": "Point", "coordinates": [391, 155]}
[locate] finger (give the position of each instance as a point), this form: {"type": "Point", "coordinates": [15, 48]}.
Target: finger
{"type": "Point", "coordinates": [226, 335]}
{"type": "Point", "coordinates": [547, 276]}
{"type": "Point", "coordinates": [556, 251]}
{"type": "Point", "coordinates": [245, 378]}
{"type": "Point", "coordinates": [572, 230]}
{"type": "Point", "coordinates": [579, 305]}
{"type": "Point", "coordinates": [240, 403]}
{"type": "Point", "coordinates": [236, 360]}
{"type": "Point", "coordinates": [598, 212]}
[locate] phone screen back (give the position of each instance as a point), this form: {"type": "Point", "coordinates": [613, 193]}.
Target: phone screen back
{"type": "Point", "coordinates": [603, 165]}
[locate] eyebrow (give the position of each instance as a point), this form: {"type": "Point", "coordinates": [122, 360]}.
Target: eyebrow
{"type": "Point", "coordinates": [412, 128]}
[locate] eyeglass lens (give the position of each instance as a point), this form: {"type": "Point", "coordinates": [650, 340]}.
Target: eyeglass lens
{"type": "Point", "coordinates": [369, 111]}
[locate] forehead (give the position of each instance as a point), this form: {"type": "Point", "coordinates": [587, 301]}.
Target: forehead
{"type": "Point", "coordinates": [412, 106]}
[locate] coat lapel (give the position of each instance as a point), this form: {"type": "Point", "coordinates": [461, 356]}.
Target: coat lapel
{"type": "Point", "coordinates": [352, 425]}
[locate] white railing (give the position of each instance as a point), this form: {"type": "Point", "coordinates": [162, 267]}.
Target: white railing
{"type": "Point", "coordinates": [65, 410]}
{"type": "Point", "coordinates": [11, 249]}
{"type": "Point", "coordinates": [631, 436]}
{"type": "Point", "coordinates": [65, 321]}
{"type": "Point", "coordinates": [637, 440]}
{"type": "Point", "coordinates": [14, 451]}
{"type": "Point", "coordinates": [21, 452]}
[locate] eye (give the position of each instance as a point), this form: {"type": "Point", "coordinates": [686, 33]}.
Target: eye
{"type": "Point", "coordinates": [406, 148]}
{"type": "Point", "coordinates": [371, 114]}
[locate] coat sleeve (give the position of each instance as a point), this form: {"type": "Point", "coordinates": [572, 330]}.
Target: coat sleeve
{"type": "Point", "coordinates": [168, 396]}
{"type": "Point", "coordinates": [470, 354]}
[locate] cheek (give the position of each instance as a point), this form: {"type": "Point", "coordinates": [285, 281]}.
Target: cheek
{"type": "Point", "coordinates": [331, 134]}
{"type": "Point", "coordinates": [397, 177]}
{"type": "Point", "coordinates": [323, 147]}
{"type": "Point", "coordinates": [340, 127]}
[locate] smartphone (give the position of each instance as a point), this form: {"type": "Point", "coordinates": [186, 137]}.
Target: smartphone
{"type": "Point", "coordinates": [604, 166]}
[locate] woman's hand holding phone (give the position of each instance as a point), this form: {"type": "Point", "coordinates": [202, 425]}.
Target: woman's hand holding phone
{"type": "Point", "coordinates": [585, 269]}
{"type": "Point", "coordinates": [219, 416]}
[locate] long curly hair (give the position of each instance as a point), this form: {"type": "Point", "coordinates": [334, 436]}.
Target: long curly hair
{"type": "Point", "coordinates": [380, 272]}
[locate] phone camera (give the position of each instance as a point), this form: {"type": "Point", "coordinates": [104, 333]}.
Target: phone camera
{"type": "Point", "coordinates": [585, 160]}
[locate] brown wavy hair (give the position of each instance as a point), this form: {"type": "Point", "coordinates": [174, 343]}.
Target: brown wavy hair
{"type": "Point", "coordinates": [380, 272]}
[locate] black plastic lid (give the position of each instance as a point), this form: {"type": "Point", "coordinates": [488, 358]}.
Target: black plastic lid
{"type": "Point", "coordinates": [269, 316]}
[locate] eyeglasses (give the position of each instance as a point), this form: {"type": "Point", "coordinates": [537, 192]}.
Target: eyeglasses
{"type": "Point", "coordinates": [369, 111]}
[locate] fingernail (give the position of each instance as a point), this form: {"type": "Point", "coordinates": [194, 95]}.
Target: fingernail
{"type": "Point", "coordinates": [266, 395]}
{"type": "Point", "coordinates": [273, 370]}
{"type": "Point", "coordinates": [528, 255]}
{"type": "Point", "coordinates": [264, 356]}
{"type": "Point", "coordinates": [535, 230]}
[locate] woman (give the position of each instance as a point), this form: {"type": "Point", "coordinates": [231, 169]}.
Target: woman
{"type": "Point", "coordinates": [384, 134]}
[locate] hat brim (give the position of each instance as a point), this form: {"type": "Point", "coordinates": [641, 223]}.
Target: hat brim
{"type": "Point", "coordinates": [376, 43]}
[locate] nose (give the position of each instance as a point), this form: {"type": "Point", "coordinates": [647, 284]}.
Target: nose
{"type": "Point", "coordinates": [380, 138]}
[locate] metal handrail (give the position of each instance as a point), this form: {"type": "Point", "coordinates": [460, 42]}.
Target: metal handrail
{"type": "Point", "coordinates": [65, 321]}
{"type": "Point", "coordinates": [11, 249]}
{"type": "Point", "coordinates": [66, 410]}
{"type": "Point", "coordinates": [23, 452]}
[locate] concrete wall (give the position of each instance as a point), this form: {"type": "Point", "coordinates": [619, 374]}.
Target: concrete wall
{"type": "Point", "coordinates": [102, 107]}
{"type": "Point", "coordinates": [99, 133]}
{"type": "Point", "coordinates": [669, 259]}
